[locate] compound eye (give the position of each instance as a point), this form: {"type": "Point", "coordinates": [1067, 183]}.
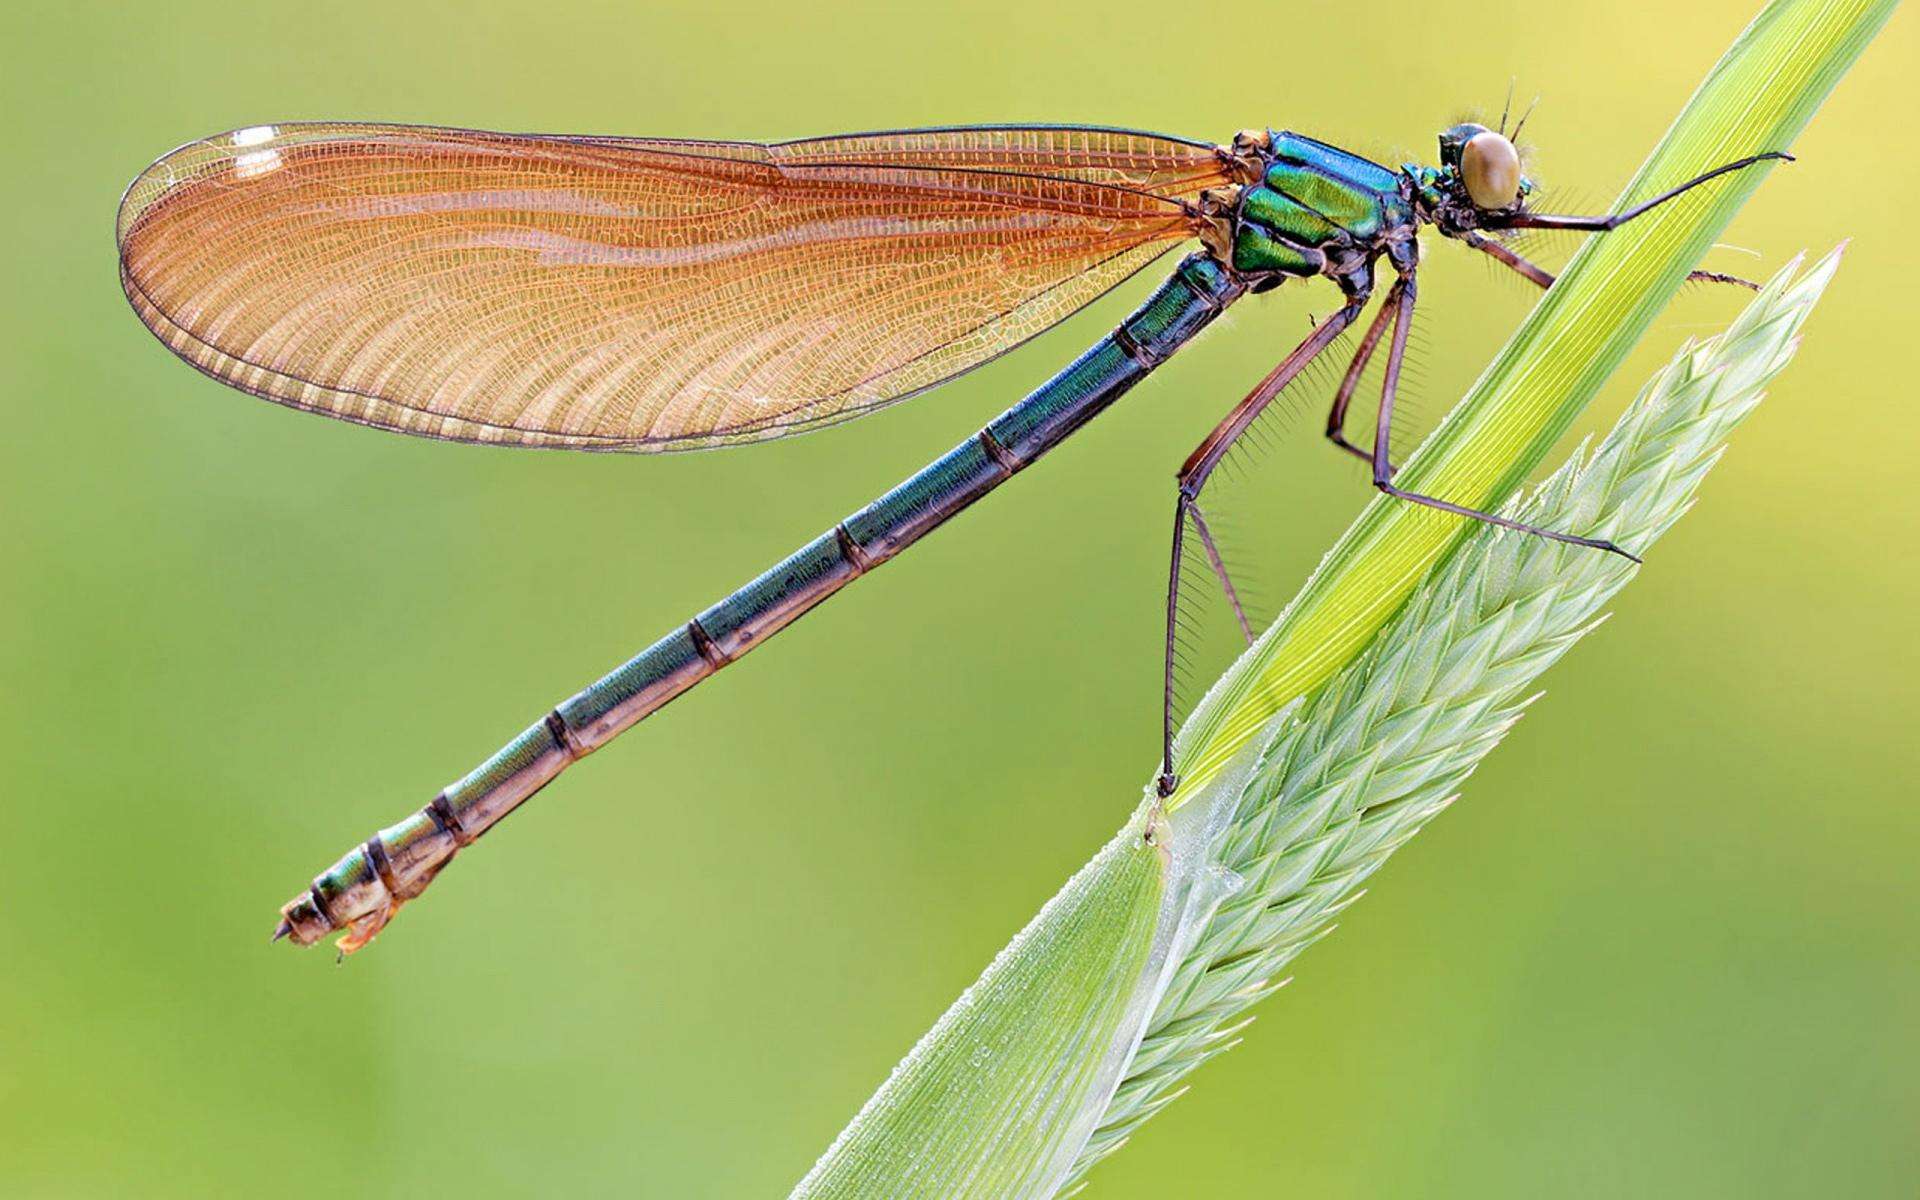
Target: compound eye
{"type": "Point", "coordinates": [1490, 166]}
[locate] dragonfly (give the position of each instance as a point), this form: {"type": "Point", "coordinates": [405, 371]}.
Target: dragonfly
{"type": "Point", "coordinates": [643, 295]}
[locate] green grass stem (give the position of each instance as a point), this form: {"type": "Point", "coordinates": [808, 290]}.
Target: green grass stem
{"type": "Point", "coordinates": [1757, 98]}
{"type": "Point", "coordinates": [1352, 720]}
{"type": "Point", "coordinates": [1359, 767]}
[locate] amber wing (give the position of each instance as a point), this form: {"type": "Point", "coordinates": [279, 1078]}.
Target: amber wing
{"type": "Point", "coordinates": [622, 294]}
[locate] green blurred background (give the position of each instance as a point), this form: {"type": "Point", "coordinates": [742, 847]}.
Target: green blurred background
{"type": "Point", "coordinates": [1668, 945]}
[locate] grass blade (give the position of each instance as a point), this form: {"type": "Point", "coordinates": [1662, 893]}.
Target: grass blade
{"type": "Point", "coordinates": [1758, 97]}
{"type": "Point", "coordinates": [1130, 977]}
{"type": "Point", "coordinates": [1384, 746]}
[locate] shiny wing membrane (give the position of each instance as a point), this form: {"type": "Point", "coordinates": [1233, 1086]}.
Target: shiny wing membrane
{"type": "Point", "coordinates": [621, 294]}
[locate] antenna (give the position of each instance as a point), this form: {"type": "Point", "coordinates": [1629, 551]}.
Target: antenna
{"type": "Point", "coordinates": [1515, 138]}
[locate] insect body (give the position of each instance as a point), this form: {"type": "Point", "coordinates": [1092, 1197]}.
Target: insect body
{"type": "Point", "coordinates": [644, 295]}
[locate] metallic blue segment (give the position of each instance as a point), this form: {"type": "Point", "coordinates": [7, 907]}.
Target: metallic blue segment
{"type": "Point", "coordinates": [886, 526]}
{"type": "Point", "coordinates": [1209, 281]}
{"type": "Point", "coordinates": [782, 592]}
{"type": "Point", "coordinates": [1170, 317]}
{"type": "Point", "coordinates": [1207, 278]}
{"type": "Point", "coordinates": [1362, 172]}
{"type": "Point", "coordinates": [512, 758]}
{"type": "Point", "coordinates": [671, 655]}
{"type": "Point", "coordinates": [1178, 309]}
{"type": "Point", "coordinates": [1069, 400]}
{"type": "Point", "coordinates": [1197, 291]}
{"type": "Point", "coordinates": [352, 871]}
{"type": "Point", "coordinates": [399, 838]}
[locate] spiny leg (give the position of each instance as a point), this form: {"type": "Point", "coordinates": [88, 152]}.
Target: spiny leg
{"type": "Point", "coordinates": [1336, 433]}
{"type": "Point", "coordinates": [1220, 570]}
{"type": "Point", "coordinates": [1383, 470]}
{"type": "Point", "coordinates": [1193, 478]}
{"type": "Point", "coordinates": [1544, 278]}
{"type": "Point", "coordinates": [1721, 277]}
{"type": "Point", "coordinates": [1337, 416]}
{"type": "Point", "coordinates": [1336, 425]}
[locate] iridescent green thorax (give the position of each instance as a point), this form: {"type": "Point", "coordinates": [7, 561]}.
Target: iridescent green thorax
{"type": "Point", "coordinates": [1431, 185]}
{"type": "Point", "coordinates": [1319, 210]}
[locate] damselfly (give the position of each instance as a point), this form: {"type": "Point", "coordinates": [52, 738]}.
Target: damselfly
{"type": "Point", "coordinates": [595, 293]}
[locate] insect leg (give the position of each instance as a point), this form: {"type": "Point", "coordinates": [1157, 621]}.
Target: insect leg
{"type": "Point", "coordinates": [1219, 566]}
{"type": "Point", "coordinates": [1337, 416]}
{"type": "Point", "coordinates": [1544, 278]}
{"type": "Point", "coordinates": [1383, 470]}
{"type": "Point", "coordinates": [1193, 476]}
